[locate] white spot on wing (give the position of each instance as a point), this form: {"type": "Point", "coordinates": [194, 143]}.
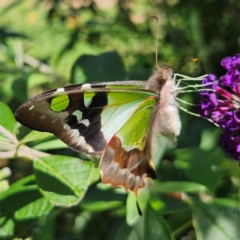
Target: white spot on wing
{"type": "Point", "coordinates": [85, 122]}
{"type": "Point", "coordinates": [66, 127]}
{"type": "Point", "coordinates": [86, 86]}
{"type": "Point", "coordinates": [60, 90]}
{"type": "Point", "coordinates": [78, 114]}
{"type": "Point", "coordinates": [43, 116]}
{"type": "Point", "coordinates": [54, 120]}
{"type": "Point", "coordinates": [76, 141]}
{"type": "Point", "coordinates": [88, 99]}
{"type": "Point", "coordinates": [31, 108]}
{"type": "Point", "coordinates": [124, 176]}
{"type": "Point", "coordinates": [74, 133]}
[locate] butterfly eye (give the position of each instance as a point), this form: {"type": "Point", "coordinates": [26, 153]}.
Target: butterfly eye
{"type": "Point", "coordinates": [166, 73]}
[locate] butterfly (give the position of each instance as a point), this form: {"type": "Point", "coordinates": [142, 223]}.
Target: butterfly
{"type": "Point", "coordinates": [119, 120]}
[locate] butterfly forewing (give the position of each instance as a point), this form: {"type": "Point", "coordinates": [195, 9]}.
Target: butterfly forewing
{"type": "Point", "coordinates": [86, 116]}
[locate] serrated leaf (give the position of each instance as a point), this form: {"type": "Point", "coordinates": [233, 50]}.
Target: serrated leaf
{"type": "Point", "coordinates": [63, 180]}
{"type": "Point", "coordinates": [7, 119]}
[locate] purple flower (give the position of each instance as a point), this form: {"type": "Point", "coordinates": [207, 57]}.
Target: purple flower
{"type": "Point", "coordinates": [231, 143]}
{"type": "Point", "coordinates": [221, 103]}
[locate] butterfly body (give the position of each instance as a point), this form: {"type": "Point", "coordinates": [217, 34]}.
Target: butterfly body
{"type": "Point", "coordinates": [119, 120]}
{"type": "Point", "coordinates": [167, 120]}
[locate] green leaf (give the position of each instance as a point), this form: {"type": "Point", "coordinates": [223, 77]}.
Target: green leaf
{"type": "Point", "coordinates": [82, 70]}
{"type": "Point", "coordinates": [216, 220]}
{"type": "Point", "coordinates": [150, 226]}
{"type": "Point", "coordinates": [63, 180]}
{"type": "Point", "coordinates": [7, 228]}
{"type": "Point", "coordinates": [7, 119]}
{"type": "Point", "coordinates": [127, 233]}
{"type": "Point", "coordinates": [36, 79]}
{"type": "Point", "coordinates": [20, 205]}
{"type": "Point", "coordinates": [34, 210]}
{"type": "Point", "coordinates": [155, 227]}
{"type": "Point", "coordinates": [19, 87]}
{"type": "Point", "coordinates": [188, 187]}
{"type": "Point", "coordinates": [132, 216]}
{"type": "Point", "coordinates": [201, 166]}
{"type": "Point", "coordinates": [35, 135]}
{"type": "Point", "coordinates": [104, 187]}
{"type": "Point", "coordinates": [95, 175]}
{"type": "Point", "coordinates": [47, 227]}
{"type": "Point", "coordinates": [53, 144]}
{"type": "Point", "coordinates": [100, 206]}
{"type": "Point", "coordinates": [158, 154]}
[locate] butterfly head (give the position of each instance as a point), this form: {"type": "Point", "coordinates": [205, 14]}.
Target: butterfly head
{"type": "Point", "coordinates": [166, 74]}
{"type": "Point", "coordinates": [159, 78]}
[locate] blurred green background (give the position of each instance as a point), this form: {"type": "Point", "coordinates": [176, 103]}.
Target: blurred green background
{"type": "Point", "coordinates": [49, 44]}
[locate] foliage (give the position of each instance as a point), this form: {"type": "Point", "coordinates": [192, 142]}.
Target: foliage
{"type": "Point", "coordinates": [46, 191]}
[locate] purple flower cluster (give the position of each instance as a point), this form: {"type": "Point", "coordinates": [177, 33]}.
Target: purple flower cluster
{"type": "Point", "coordinates": [221, 103]}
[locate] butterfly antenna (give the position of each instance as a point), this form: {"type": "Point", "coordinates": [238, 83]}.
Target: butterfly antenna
{"type": "Point", "coordinates": [156, 43]}
{"type": "Point", "coordinates": [161, 70]}
{"type": "Point", "coordinates": [195, 59]}
{"type": "Point", "coordinates": [156, 52]}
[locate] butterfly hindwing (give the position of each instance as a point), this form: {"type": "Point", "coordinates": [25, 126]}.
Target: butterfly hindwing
{"type": "Point", "coordinates": [126, 161]}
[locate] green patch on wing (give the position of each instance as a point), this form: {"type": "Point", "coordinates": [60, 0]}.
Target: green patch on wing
{"type": "Point", "coordinates": [88, 96]}
{"type": "Point", "coordinates": [122, 97]}
{"type": "Point", "coordinates": [60, 103]}
{"type": "Point", "coordinates": [135, 130]}
{"type": "Point", "coordinates": [121, 106]}
{"type": "Point", "coordinates": [124, 87]}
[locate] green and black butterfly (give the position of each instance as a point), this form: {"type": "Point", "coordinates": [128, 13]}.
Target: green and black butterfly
{"type": "Point", "coordinates": [120, 120]}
